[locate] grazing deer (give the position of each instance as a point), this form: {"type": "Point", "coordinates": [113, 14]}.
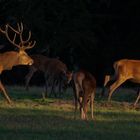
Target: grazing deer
{"type": "Point", "coordinates": [14, 58]}
{"type": "Point", "coordinates": [84, 85]}
{"type": "Point", "coordinates": [125, 69]}
{"type": "Point", "coordinates": [54, 71]}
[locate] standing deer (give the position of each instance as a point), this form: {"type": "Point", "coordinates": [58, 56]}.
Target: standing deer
{"type": "Point", "coordinates": [14, 58]}
{"type": "Point", "coordinates": [84, 85]}
{"type": "Point", "coordinates": [54, 71]}
{"type": "Point", "coordinates": [125, 69]}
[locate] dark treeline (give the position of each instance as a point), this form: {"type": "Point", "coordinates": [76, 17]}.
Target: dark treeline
{"type": "Point", "coordinates": [88, 34]}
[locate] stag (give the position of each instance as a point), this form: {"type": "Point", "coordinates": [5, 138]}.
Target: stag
{"type": "Point", "coordinates": [125, 69]}
{"type": "Point", "coordinates": [54, 71]}
{"type": "Point", "coordinates": [84, 85]}
{"type": "Point", "coordinates": [14, 58]}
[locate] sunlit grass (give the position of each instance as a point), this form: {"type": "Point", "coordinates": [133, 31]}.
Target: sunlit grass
{"type": "Point", "coordinates": [32, 118]}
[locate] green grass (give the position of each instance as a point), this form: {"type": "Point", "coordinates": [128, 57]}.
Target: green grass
{"type": "Point", "coordinates": [31, 118]}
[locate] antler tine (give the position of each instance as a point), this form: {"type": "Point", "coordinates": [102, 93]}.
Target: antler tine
{"type": "Point", "coordinates": [23, 44]}
{"type": "Point", "coordinates": [14, 37]}
{"type": "Point", "coordinates": [11, 41]}
{"type": "Point", "coordinates": [13, 29]}
{"type": "Point", "coordinates": [20, 28]}
{"type": "Point", "coordinates": [30, 46]}
{"type": "Point", "coordinates": [1, 30]}
{"type": "Point", "coordinates": [29, 36]}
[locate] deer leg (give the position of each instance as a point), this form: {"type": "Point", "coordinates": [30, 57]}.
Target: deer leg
{"type": "Point", "coordinates": [76, 98]}
{"type": "Point", "coordinates": [55, 88]}
{"type": "Point", "coordinates": [83, 116]}
{"type": "Point", "coordinates": [5, 93]}
{"type": "Point", "coordinates": [85, 111]}
{"type": "Point", "coordinates": [60, 86]}
{"type": "Point", "coordinates": [53, 82]}
{"type": "Point", "coordinates": [52, 89]}
{"type": "Point", "coordinates": [137, 99]}
{"type": "Point", "coordinates": [81, 108]}
{"type": "Point", "coordinates": [85, 105]}
{"type": "Point", "coordinates": [114, 86]}
{"type": "Point", "coordinates": [28, 78]}
{"type": "Point", "coordinates": [47, 83]}
{"type": "Point", "coordinates": [76, 106]}
{"type": "Point", "coordinates": [44, 93]}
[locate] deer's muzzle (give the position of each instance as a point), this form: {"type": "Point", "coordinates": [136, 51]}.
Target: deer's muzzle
{"type": "Point", "coordinates": [31, 62]}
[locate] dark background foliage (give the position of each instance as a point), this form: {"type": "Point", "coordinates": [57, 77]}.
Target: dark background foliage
{"type": "Point", "coordinates": [88, 34]}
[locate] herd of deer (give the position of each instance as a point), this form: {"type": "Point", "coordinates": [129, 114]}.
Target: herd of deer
{"type": "Point", "coordinates": [56, 72]}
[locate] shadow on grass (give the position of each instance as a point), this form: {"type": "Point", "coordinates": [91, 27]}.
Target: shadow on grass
{"type": "Point", "coordinates": [59, 125]}
{"type": "Point", "coordinates": [36, 119]}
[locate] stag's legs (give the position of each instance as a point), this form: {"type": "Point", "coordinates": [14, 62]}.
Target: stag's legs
{"type": "Point", "coordinates": [115, 85]}
{"type": "Point", "coordinates": [28, 78]}
{"type": "Point", "coordinates": [4, 92]}
{"type": "Point", "coordinates": [76, 95]}
{"type": "Point", "coordinates": [137, 99]}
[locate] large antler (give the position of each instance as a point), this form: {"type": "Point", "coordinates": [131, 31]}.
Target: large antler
{"type": "Point", "coordinates": [23, 44]}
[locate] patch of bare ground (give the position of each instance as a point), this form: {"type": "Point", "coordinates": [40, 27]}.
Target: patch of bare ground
{"type": "Point", "coordinates": [63, 104]}
{"type": "Point", "coordinates": [122, 105]}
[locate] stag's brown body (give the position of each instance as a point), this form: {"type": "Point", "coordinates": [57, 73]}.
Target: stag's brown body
{"type": "Point", "coordinates": [85, 85]}
{"type": "Point", "coordinates": [12, 58]}
{"type": "Point", "coordinates": [125, 69]}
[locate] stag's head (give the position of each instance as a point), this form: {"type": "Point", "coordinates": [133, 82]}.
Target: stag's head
{"type": "Point", "coordinates": [24, 59]}
{"type": "Point", "coordinates": [22, 45]}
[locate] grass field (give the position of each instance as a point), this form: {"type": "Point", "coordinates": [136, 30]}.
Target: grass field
{"type": "Point", "coordinates": [31, 118]}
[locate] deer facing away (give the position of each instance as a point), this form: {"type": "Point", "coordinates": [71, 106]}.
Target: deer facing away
{"type": "Point", "coordinates": [84, 87]}
{"type": "Point", "coordinates": [14, 58]}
